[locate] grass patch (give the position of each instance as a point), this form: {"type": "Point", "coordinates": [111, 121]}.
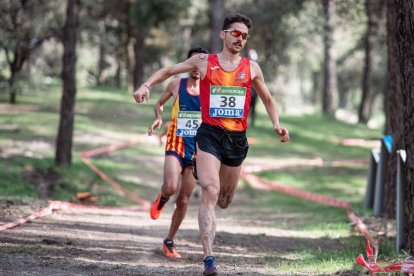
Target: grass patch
{"type": "Point", "coordinates": [344, 183]}
{"type": "Point", "coordinates": [311, 136]}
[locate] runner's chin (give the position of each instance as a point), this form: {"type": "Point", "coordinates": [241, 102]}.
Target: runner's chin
{"type": "Point", "coordinates": [195, 75]}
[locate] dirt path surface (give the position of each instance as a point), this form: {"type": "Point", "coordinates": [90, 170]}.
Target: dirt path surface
{"type": "Point", "coordinates": [119, 242]}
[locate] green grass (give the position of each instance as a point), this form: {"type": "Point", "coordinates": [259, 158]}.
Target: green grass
{"type": "Point", "coordinates": [344, 183]}
{"type": "Point", "coordinates": [315, 261]}
{"type": "Point", "coordinates": [12, 182]}
{"type": "Point", "coordinates": [311, 136]}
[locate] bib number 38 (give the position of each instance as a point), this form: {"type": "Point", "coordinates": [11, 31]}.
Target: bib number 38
{"type": "Point", "coordinates": [227, 101]}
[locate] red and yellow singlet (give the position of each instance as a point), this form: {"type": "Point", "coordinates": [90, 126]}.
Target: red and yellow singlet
{"type": "Point", "coordinates": [225, 96]}
{"type": "Point", "coordinates": [185, 119]}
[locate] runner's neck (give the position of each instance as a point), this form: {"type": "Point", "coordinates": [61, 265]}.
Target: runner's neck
{"type": "Point", "coordinates": [193, 86]}
{"type": "Point", "coordinates": [229, 58]}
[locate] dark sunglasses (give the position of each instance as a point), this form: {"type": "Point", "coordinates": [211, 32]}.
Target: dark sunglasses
{"type": "Point", "coordinates": [236, 33]}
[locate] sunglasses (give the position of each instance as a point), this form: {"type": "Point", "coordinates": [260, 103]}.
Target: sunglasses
{"type": "Point", "coordinates": [236, 33]}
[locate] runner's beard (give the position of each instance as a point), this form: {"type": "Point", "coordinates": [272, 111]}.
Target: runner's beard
{"type": "Point", "coordinates": [195, 76]}
{"type": "Point", "coordinates": [236, 51]}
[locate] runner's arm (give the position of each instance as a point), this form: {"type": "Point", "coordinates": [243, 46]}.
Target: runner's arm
{"type": "Point", "coordinates": [270, 105]}
{"type": "Point", "coordinates": [194, 62]}
{"type": "Point", "coordinates": [170, 90]}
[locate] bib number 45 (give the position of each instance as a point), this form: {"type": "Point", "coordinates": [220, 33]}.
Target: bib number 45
{"type": "Point", "coordinates": [192, 124]}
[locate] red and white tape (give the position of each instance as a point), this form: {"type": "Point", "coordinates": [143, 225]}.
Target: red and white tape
{"type": "Point", "coordinates": [60, 205]}
{"type": "Point", "coordinates": [85, 157]}
{"type": "Point", "coordinates": [371, 265]}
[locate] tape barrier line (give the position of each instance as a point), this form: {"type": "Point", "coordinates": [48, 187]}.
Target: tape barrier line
{"type": "Point", "coordinates": [121, 190]}
{"type": "Point", "coordinates": [371, 265]}
{"type": "Point", "coordinates": [250, 178]}
{"type": "Point", "coordinates": [61, 205]}
{"type": "Point", "coordinates": [85, 157]}
{"type": "Point", "coordinates": [303, 162]}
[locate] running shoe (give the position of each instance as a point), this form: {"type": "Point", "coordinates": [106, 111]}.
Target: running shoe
{"type": "Point", "coordinates": [195, 169]}
{"type": "Point", "coordinates": [155, 210]}
{"type": "Point", "coordinates": [210, 268]}
{"type": "Point", "coordinates": [169, 249]}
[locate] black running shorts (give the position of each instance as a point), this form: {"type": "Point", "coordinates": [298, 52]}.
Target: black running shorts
{"type": "Point", "coordinates": [230, 147]}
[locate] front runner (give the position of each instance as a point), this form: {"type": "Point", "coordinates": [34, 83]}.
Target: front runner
{"type": "Point", "coordinates": [226, 82]}
{"type": "Point", "coordinates": [179, 148]}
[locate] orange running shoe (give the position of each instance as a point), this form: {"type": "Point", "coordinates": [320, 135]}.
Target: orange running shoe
{"type": "Point", "coordinates": [169, 249]}
{"type": "Point", "coordinates": [154, 211]}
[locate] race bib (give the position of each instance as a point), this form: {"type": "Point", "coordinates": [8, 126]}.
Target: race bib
{"type": "Point", "coordinates": [227, 101]}
{"type": "Point", "coordinates": [188, 123]}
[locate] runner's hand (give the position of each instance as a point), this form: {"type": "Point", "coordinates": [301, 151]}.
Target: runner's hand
{"type": "Point", "coordinates": [284, 133]}
{"type": "Point", "coordinates": [155, 125]}
{"type": "Point", "coordinates": [142, 94]}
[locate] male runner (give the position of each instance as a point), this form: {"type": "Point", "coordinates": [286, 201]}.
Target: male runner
{"type": "Point", "coordinates": [179, 148]}
{"type": "Point", "coordinates": [225, 87]}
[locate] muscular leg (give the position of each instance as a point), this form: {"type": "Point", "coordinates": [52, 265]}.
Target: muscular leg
{"type": "Point", "coordinates": [208, 167]}
{"type": "Point", "coordinates": [172, 170]}
{"type": "Point", "coordinates": [229, 178]}
{"type": "Point", "coordinates": [187, 186]}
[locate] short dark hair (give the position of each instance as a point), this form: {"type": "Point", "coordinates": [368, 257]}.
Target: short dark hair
{"type": "Point", "coordinates": [197, 50]}
{"type": "Point", "coordinates": [236, 17]}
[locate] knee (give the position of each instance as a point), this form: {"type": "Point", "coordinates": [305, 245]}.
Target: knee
{"type": "Point", "coordinates": [210, 192]}
{"type": "Point", "coordinates": [169, 188]}
{"type": "Point", "coordinates": [224, 202]}
{"type": "Point", "coordinates": [182, 202]}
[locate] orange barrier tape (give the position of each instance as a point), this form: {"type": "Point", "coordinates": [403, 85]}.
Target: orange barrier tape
{"type": "Point", "coordinates": [302, 162]}
{"type": "Point", "coordinates": [364, 231]}
{"type": "Point", "coordinates": [296, 192]}
{"type": "Point", "coordinates": [44, 212]}
{"type": "Point", "coordinates": [124, 192]}
{"type": "Point", "coordinates": [371, 265]}
{"type": "Point", "coordinates": [59, 205]}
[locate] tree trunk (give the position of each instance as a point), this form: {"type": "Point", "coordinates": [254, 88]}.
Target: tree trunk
{"type": "Point", "coordinates": [21, 54]}
{"type": "Point", "coordinates": [216, 20]}
{"type": "Point", "coordinates": [67, 107]}
{"type": "Point", "coordinates": [315, 87]}
{"type": "Point", "coordinates": [118, 73]}
{"type": "Point", "coordinates": [12, 88]}
{"type": "Point", "coordinates": [405, 40]}
{"type": "Point", "coordinates": [138, 76]}
{"type": "Point", "coordinates": [329, 83]}
{"type": "Point", "coordinates": [394, 116]}
{"type": "Point", "coordinates": [101, 63]}
{"type": "Point", "coordinates": [129, 50]}
{"type": "Point", "coordinates": [373, 12]}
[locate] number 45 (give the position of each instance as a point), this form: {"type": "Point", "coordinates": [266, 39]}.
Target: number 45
{"type": "Point", "coordinates": [192, 124]}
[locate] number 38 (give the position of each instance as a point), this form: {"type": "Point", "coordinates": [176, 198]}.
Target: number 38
{"type": "Point", "coordinates": [228, 101]}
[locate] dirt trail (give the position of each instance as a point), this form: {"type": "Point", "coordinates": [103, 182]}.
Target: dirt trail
{"type": "Point", "coordinates": [118, 242]}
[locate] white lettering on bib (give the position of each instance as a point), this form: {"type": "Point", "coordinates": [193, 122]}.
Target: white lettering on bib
{"type": "Point", "coordinates": [227, 101]}
{"type": "Point", "coordinates": [188, 123]}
